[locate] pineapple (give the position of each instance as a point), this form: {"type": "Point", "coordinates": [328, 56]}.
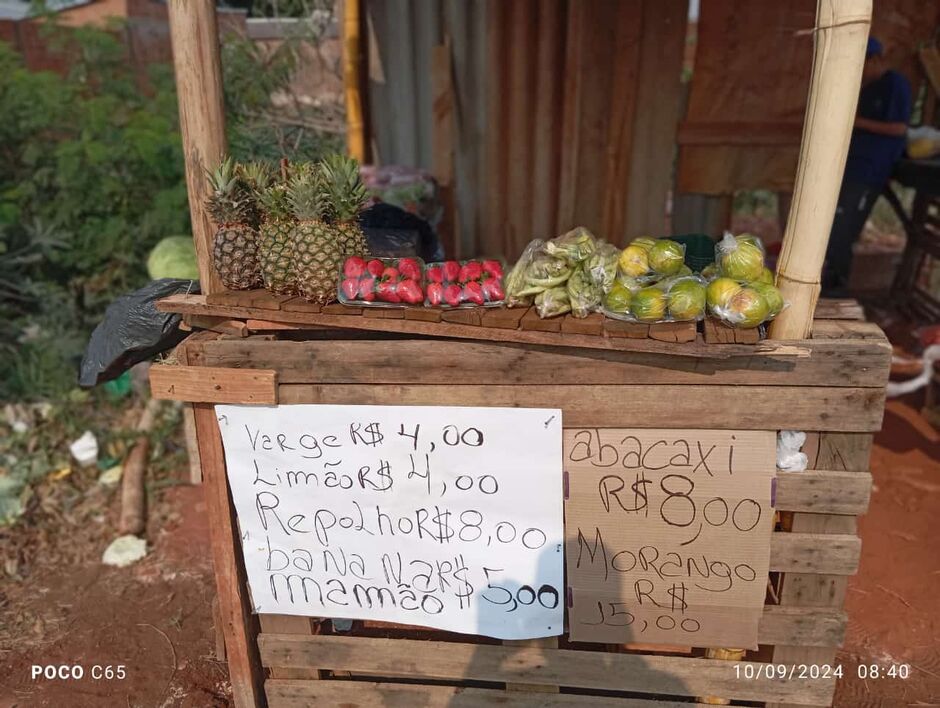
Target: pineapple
{"type": "Point", "coordinates": [318, 253]}
{"type": "Point", "coordinates": [346, 195]}
{"type": "Point", "coordinates": [275, 253]}
{"type": "Point", "coordinates": [235, 245]}
{"type": "Point", "coordinates": [256, 176]}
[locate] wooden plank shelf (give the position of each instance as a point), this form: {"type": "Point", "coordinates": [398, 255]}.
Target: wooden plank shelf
{"type": "Point", "coordinates": [496, 324]}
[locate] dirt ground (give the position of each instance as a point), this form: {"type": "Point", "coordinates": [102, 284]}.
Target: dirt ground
{"type": "Point", "coordinates": [893, 603]}
{"type": "Point", "coordinates": [155, 617]}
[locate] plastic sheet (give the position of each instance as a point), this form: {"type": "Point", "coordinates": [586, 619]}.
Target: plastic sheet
{"type": "Point", "coordinates": [789, 457]}
{"type": "Point", "coordinates": [133, 330]}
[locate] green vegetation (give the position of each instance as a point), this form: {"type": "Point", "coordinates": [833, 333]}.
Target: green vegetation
{"type": "Point", "coordinates": [265, 118]}
{"type": "Point", "coordinates": [91, 178]}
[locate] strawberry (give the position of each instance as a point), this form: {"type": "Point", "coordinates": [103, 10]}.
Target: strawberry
{"type": "Point", "coordinates": [367, 289]}
{"type": "Point", "coordinates": [494, 268]}
{"type": "Point", "coordinates": [354, 267]}
{"type": "Point", "coordinates": [451, 271]}
{"type": "Point", "coordinates": [435, 274]}
{"type": "Point", "coordinates": [409, 268]}
{"type": "Point", "coordinates": [387, 291]}
{"type": "Point", "coordinates": [350, 288]}
{"type": "Point", "coordinates": [453, 295]}
{"type": "Point", "coordinates": [473, 292]}
{"type": "Point", "coordinates": [409, 291]}
{"type": "Point", "coordinates": [375, 267]}
{"type": "Point", "coordinates": [472, 270]}
{"type": "Point", "coordinates": [493, 290]}
{"type": "Point", "coordinates": [391, 274]}
{"type": "Point", "coordinates": [435, 293]}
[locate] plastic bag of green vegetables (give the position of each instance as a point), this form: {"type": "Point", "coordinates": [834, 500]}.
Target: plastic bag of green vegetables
{"type": "Point", "coordinates": [515, 281]}
{"type": "Point", "coordinates": [553, 302]}
{"type": "Point", "coordinates": [584, 295]}
{"type": "Point", "coordinates": [575, 247]}
{"type": "Point", "coordinates": [601, 266]}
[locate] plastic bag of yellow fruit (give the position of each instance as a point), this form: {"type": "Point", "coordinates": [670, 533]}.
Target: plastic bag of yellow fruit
{"type": "Point", "coordinates": [679, 299]}
{"type": "Point", "coordinates": [651, 259]}
{"type": "Point", "coordinates": [740, 257]}
{"type": "Point", "coordinates": [744, 305]}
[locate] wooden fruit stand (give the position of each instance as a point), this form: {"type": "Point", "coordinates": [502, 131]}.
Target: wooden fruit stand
{"type": "Point", "coordinates": [822, 371]}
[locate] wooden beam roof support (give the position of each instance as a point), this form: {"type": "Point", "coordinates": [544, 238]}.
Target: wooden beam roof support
{"type": "Point", "coordinates": [195, 40]}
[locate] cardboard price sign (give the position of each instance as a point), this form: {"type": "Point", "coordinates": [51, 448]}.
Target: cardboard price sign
{"type": "Point", "coordinates": [667, 535]}
{"type": "Point", "coordinates": [446, 517]}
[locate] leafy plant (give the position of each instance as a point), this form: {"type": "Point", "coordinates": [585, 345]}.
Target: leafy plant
{"type": "Point", "coordinates": [92, 177]}
{"type": "Point", "coordinates": [266, 118]}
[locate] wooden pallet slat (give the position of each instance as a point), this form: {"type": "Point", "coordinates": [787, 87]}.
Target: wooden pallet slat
{"type": "Point", "coordinates": [802, 626]}
{"type": "Point", "coordinates": [833, 554]}
{"type": "Point", "coordinates": [593, 324]}
{"type": "Point", "coordinates": [363, 694]}
{"type": "Point", "coordinates": [503, 317]}
{"type": "Point", "coordinates": [423, 314]}
{"type": "Point", "coordinates": [831, 363]}
{"type": "Point", "coordinates": [384, 313]}
{"type": "Point", "coordinates": [678, 332]}
{"type": "Point", "coordinates": [531, 322]}
{"type": "Point", "coordinates": [464, 316]}
{"type": "Point", "coordinates": [824, 492]}
{"type": "Point", "coordinates": [636, 406]}
{"type": "Point", "coordinates": [451, 661]}
{"type": "Point", "coordinates": [201, 384]}
{"type": "Point", "coordinates": [239, 626]}
{"type": "Point", "coordinates": [625, 330]}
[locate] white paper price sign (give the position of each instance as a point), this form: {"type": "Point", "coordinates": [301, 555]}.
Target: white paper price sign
{"type": "Point", "coordinates": [446, 517]}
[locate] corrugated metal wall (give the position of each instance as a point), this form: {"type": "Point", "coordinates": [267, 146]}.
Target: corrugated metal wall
{"type": "Point", "coordinates": [566, 110]}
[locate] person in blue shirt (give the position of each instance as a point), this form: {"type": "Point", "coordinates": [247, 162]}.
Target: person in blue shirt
{"type": "Point", "coordinates": [878, 139]}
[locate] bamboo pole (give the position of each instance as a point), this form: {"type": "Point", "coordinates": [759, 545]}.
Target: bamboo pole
{"type": "Point", "coordinates": [352, 54]}
{"type": "Point", "coordinates": [839, 52]}
{"type": "Point", "coordinates": [195, 40]}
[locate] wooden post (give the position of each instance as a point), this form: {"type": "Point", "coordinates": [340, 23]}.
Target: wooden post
{"type": "Point", "coordinates": [839, 40]}
{"type": "Point", "coordinates": [239, 625]}
{"type": "Point", "coordinates": [443, 132]}
{"type": "Point", "coordinates": [352, 72]}
{"type": "Point", "coordinates": [195, 40]}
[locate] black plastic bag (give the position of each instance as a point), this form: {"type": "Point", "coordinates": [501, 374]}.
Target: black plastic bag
{"type": "Point", "coordinates": [133, 330]}
{"type": "Point", "coordinates": [393, 232]}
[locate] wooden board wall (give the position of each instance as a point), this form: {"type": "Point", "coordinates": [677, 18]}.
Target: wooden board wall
{"type": "Point", "coordinates": [744, 119]}
{"type": "Point", "coordinates": [566, 112]}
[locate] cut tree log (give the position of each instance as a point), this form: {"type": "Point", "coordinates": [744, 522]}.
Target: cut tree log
{"type": "Point", "coordinates": [133, 496]}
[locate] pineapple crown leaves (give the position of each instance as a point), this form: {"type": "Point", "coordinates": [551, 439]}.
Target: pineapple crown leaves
{"type": "Point", "coordinates": [274, 202]}
{"type": "Point", "coordinates": [345, 190]}
{"type": "Point", "coordinates": [307, 196]}
{"type": "Point", "coordinates": [231, 200]}
{"type": "Point", "coordinates": [256, 176]}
